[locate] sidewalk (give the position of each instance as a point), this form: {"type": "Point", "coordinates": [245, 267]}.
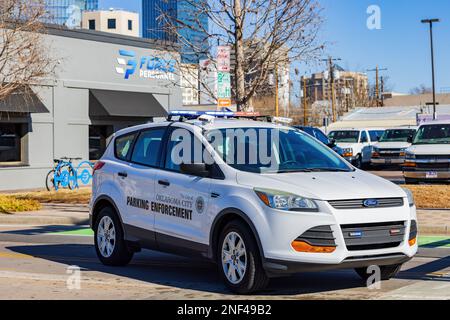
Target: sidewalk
{"type": "Point", "coordinates": [51, 214]}
{"type": "Point", "coordinates": [431, 222]}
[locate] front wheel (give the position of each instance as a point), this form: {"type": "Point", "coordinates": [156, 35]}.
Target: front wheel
{"type": "Point", "coordinates": [386, 272]}
{"type": "Point", "coordinates": [50, 181]}
{"type": "Point", "coordinates": [239, 260]}
{"type": "Point", "coordinates": [110, 245]}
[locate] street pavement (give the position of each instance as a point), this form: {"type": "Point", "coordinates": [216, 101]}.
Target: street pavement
{"type": "Point", "coordinates": [34, 262]}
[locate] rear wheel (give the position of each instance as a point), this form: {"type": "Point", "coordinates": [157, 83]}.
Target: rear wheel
{"type": "Point", "coordinates": [386, 272]}
{"type": "Point", "coordinates": [239, 260]}
{"type": "Point", "coordinates": [110, 245]}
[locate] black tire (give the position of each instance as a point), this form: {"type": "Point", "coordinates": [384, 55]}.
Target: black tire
{"type": "Point", "coordinates": [358, 162]}
{"type": "Point", "coordinates": [121, 254]}
{"type": "Point", "coordinates": [411, 181]}
{"type": "Point", "coordinates": [386, 272]}
{"type": "Point", "coordinates": [254, 278]}
{"type": "Point", "coordinates": [49, 180]}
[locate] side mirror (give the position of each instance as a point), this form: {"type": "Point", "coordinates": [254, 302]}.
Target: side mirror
{"type": "Point", "coordinates": [332, 143]}
{"type": "Point", "coordinates": [195, 169]}
{"type": "Point", "coordinates": [410, 138]}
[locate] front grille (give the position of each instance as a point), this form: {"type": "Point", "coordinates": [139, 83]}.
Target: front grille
{"type": "Point", "coordinates": [433, 165]}
{"type": "Point", "coordinates": [359, 203]}
{"type": "Point", "coordinates": [321, 236]}
{"type": "Point", "coordinates": [371, 236]}
{"type": "Point", "coordinates": [432, 157]}
{"type": "Point", "coordinates": [389, 153]}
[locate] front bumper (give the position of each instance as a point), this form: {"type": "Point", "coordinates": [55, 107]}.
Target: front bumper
{"type": "Point", "coordinates": [429, 175]}
{"type": "Point", "coordinates": [384, 161]}
{"type": "Point", "coordinates": [285, 227]}
{"type": "Point", "coordinates": [276, 268]}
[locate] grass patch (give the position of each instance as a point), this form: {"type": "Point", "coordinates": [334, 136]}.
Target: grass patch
{"type": "Point", "coordinates": [78, 196]}
{"type": "Point", "coordinates": [10, 204]}
{"type": "Point", "coordinates": [431, 196]}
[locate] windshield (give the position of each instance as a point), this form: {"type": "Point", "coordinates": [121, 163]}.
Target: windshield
{"type": "Point", "coordinates": [375, 134]}
{"type": "Point", "coordinates": [345, 136]}
{"type": "Point", "coordinates": [267, 150]}
{"type": "Point", "coordinates": [433, 134]}
{"type": "Point", "coordinates": [397, 135]}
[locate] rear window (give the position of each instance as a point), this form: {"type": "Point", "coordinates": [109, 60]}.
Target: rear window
{"type": "Point", "coordinates": [122, 146]}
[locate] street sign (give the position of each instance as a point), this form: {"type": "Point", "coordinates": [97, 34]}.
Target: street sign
{"type": "Point", "coordinates": [224, 103]}
{"type": "Point", "coordinates": [223, 59]}
{"type": "Point", "coordinates": [223, 85]}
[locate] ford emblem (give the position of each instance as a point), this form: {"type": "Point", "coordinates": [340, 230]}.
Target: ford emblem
{"type": "Point", "coordinates": [370, 203]}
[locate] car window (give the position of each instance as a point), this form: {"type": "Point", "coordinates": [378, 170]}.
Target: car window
{"type": "Point", "coordinates": [375, 135]}
{"type": "Point", "coordinates": [433, 134]}
{"type": "Point", "coordinates": [321, 136]}
{"type": "Point", "coordinates": [148, 147]}
{"type": "Point", "coordinates": [181, 141]}
{"type": "Point", "coordinates": [397, 135]}
{"type": "Point", "coordinates": [363, 138]}
{"type": "Point", "coordinates": [345, 136]}
{"type": "Point", "coordinates": [122, 147]}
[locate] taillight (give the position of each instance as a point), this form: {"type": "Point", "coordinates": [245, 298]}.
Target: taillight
{"type": "Point", "coordinates": [97, 166]}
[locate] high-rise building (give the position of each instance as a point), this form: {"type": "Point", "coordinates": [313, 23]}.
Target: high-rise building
{"type": "Point", "coordinates": [185, 11]}
{"type": "Point", "coordinates": [68, 12]}
{"type": "Point", "coordinates": [114, 21]}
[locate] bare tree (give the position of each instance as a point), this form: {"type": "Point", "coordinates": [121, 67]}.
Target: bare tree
{"type": "Point", "coordinates": [24, 58]}
{"type": "Point", "coordinates": [263, 34]}
{"type": "Point", "coordinates": [422, 89]}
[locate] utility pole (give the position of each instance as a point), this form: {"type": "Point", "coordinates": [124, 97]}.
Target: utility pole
{"type": "Point", "coordinates": [382, 90]}
{"type": "Point", "coordinates": [331, 75]}
{"type": "Point", "coordinates": [305, 104]}
{"type": "Point", "coordinates": [377, 85]}
{"type": "Point", "coordinates": [430, 22]}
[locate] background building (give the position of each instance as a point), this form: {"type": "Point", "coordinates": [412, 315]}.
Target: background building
{"type": "Point", "coordinates": [114, 21]}
{"type": "Point", "coordinates": [68, 12]}
{"type": "Point", "coordinates": [154, 28]}
{"type": "Point", "coordinates": [92, 94]}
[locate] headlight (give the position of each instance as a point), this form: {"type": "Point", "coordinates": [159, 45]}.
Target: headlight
{"type": "Point", "coordinates": [347, 152]}
{"type": "Point", "coordinates": [410, 196]}
{"type": "Point", "coordinates": [410, 155]}
{"type": "Point", "coordinates": [285, 201]}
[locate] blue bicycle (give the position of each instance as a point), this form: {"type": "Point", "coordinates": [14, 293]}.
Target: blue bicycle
{"type": "Point", "coordinates": [65, 175]}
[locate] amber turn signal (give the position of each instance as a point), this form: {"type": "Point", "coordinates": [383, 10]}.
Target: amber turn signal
{"type": "Point", "coordinates": [412, 242]}
{"type": "Point", "coordinates": [409, 164]}
{"type": "Point", "coordinates": [302, 246]}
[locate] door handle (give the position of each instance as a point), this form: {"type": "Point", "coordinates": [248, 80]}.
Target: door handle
{"type": "Point", "coordinates": [122, 174]}
{"type": "Point", "coordinates": [164, 183]}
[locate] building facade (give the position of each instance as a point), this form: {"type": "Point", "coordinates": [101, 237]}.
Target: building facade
{"type": "Point", "coordinates": [68, 12]}
{"type": "Point", "coordinates": [95, 91]}
{"type": "Point", "coordinates": [114, 21]}
{"type": "Point", "coordinates": [188, 14]}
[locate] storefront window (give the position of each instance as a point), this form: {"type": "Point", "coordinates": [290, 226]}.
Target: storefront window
{"type": "Point", "coordinates": [98, 140]}
{"type": "Point", "coordinates": [10, 142]}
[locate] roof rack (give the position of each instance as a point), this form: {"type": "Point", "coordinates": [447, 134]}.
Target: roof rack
{"type": "Point", "coordinates": [185, 115]}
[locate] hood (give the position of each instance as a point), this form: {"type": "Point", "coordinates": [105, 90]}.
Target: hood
{"type": "Point", "coordinates": [392, 145]}
{"type": "Point", "coordinates": [325, 185]}
{"type": "Point", "coordinates": [430, 149]}
{"type": "Point", "coordinates": [346, 145]}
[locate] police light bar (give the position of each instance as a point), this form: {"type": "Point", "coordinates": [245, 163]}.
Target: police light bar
{"type": "Point", "coordinates": [282, 120]}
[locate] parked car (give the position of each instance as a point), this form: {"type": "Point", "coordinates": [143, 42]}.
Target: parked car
{"type": "Point", "coordinates": [428, 158]}
{"type": "Point", "coordinates": [322, 137]}
{"type": "Point", "coordinates": [356, 145]}
{"type": "Point", "coordinates": [391, 147]}
{"type": "Point", "coordinates": [307, 209]}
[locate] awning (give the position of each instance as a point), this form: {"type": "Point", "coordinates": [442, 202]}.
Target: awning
{"type": "Point", "coordinates": [23, 101]}
{"type": "Point", "coordinates": [124, 104]}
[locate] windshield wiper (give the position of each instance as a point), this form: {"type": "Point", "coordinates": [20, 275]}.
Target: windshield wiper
{"type": "Point", "coordinates": [328, 170]}
{"type": "Point", "coordinates": [293, 170]}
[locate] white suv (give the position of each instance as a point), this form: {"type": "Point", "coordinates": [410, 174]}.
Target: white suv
{"type": "Point", "coordinates": [356, 144]}
{"type": "Point", "coordinates": [305, 209]}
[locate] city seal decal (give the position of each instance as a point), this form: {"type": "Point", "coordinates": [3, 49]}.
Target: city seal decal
{"type": "Point", "coordinates": [200, 205]}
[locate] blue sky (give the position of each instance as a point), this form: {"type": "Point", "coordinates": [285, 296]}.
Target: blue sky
{"type": "Point", "coordinates": [402, 44]}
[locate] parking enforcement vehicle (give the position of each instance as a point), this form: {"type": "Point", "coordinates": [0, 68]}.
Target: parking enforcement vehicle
{"type": "Point", "coordinates": [428, 158]}
{"type": "Point", "coordinates": [306, 209]}
{"type": "Point", "coordinates": [391, 147]}
{"type": "Point", "coordinates": [356, 144]}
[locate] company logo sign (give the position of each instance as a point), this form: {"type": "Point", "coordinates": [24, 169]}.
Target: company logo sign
{"type": "Point", "coordinates": [149, 67]}
{"type": "Point", "coordinates": [370, 203]}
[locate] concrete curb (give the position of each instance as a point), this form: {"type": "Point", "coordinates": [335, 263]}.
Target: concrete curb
{"type": "Point", "coordinates": [41, 220]}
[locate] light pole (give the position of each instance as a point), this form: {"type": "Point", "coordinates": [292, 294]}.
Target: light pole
{"type": "Point", "coordinates": [430, 22]}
